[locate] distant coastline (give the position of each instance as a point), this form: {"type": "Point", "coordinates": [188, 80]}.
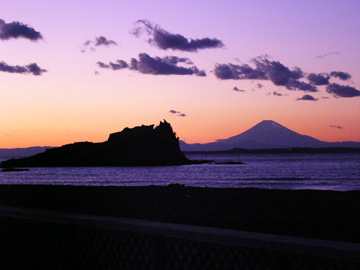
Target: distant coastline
{"type": "Point", "coordinates": [295, 150]}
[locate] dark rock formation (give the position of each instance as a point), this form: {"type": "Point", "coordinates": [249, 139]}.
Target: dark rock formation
{"type": "Point", "coordinates": [138, 146]}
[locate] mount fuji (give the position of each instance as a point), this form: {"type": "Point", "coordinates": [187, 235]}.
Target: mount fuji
{"type": "Point", "coordinates": [265, 135]}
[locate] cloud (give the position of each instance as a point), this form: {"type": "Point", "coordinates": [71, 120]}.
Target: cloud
{"type": "Point", "coordinates": [299, 85]}
{"type": "Point", "coordinates": [18, 30]}
{"type": "Point", "coordinates": [276, 72]}
{"type": "Point", "coordinates": [180, 114]}
{"type": "Point", "coordinates": [174, 60]}
{"type": "Point", "coordinates": [319, 79]}
{"type": "Point", "coordinates": [238, 90]}
{"type": "Point", "coordinates": [238, 72]}
{"type": "Point", "coordinates": [259, 85]}
{"type": "Point", "coordinates": [342, 90]}
{"type": "Point", "coordinates": [341, 75]}
{"type": "Point", "coordinates": [277, 94]}
{"type": "Point", "coordinates": [31, 68]}
{"type": "Point", "coordinates": [158, 66]}
{"type": "Point", "coordinates": [165, 40]}
{"type": "Point", "coordinates": [265, 69]}
{"type": "Point", "coordinates": [99, 41]}
{"type": "Point", "coordinates": [327, 54]}
{"type": "Point", "coordinates": [120, 64]}
{"type": "Point", "coordinates": [334, 126]}
{"type": "Point", "coordinates": [155, 66]}
{"type": "Point", "coordinates": [280, 75]}
{"type": "Point", "coordinates": [308, 97]}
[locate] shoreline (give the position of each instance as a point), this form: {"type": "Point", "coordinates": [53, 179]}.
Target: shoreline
{"type": "Point", "coordinates": [317, 214]}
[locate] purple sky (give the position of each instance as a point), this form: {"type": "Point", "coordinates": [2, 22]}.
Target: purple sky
{"type": "Point", "coordinates": [79, 70]}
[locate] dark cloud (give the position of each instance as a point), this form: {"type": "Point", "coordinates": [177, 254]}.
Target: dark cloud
{"type": "Point", "coordinates": [18, 30]}
{"type": "Point", "coordinates": [197, 72]}
{"type": "Point", "coordinates": [238, 72]}
{"type": "Point", "coordinates": [35, 69]}
{"type": "Point", "coordinates": [277, 94]}
{"type": "Point", "coordinates": [280, 75]}
{"type": "Point", "coordinates": [342, 90]}
{"type": "Point", "coordinates": [174, 60]}
{"type": "Point", "coordinates": [265, 70]}
{"type": "Point", "coordinates": [259, 85]}
{"type": "Point", "coordinates": [334, 126]}
{"type": "Point", "coordinates": [158, 66]}
{"type": "Point", "coordinates": [180, 114]}
{"type": "Point", "coordinates": [308, 97]}
{"type": "Point", "coordinates": [120, 64]}
{"type": "Point", "coordinates": [319, 79]}
{"type": "Point", "coordinates": [341, 75]}
{"type": "Point", "coordinates": [99, 41]}
{"type": "Point", "coordinates": [238, 90]}
{"type": "Point", "coordinates": [165, 40]}
{"type": "Point", "coordinates": [31, 68]}
{"type": "Point", "coordinates": [104, 41]}
{"type": "Point", "coordinates": [298, 85]}
{"type": "Point", "coordinates": [155, 66]}
{"type": "Point", "coordinates": [277, 72]}
{"type": "Point", "coordinates": [327, 54]}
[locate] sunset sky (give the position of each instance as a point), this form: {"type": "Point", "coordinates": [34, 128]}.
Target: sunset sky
{"type": "Point", "coordinates": [79, 70]}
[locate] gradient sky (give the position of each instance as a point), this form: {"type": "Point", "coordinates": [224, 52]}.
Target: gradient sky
{"type": "Point", "coordinates": [79, 70]}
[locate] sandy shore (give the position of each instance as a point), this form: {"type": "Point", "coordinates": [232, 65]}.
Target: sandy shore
{"type": "Point", "coordinates": [326, 215]}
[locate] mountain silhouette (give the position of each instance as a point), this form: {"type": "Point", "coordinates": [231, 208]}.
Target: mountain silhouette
{"type": "Point", "coordinates": [265, 135]}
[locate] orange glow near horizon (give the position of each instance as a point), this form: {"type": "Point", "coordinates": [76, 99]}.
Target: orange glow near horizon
{"type": "Point", "coordinates": [77, 99]}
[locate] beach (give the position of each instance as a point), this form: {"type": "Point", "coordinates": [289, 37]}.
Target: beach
{"type": "Point", "coordinates": [317, 214]}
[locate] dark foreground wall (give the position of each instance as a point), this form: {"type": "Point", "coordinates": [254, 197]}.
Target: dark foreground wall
{"type": "Point", "coordinates": [38, 239]}
{"type": "Point", "coordinates": [326, 215]}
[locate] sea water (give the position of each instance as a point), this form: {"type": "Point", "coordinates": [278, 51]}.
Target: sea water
{"type": "Point", "coordinates": [271, 171]}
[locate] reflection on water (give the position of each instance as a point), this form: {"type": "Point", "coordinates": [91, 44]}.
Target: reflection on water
{"type": "Point", "coordinates": [274, 171]}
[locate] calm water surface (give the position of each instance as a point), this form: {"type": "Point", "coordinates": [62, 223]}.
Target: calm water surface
{"type": "Point", "coordinates": [273, 171]}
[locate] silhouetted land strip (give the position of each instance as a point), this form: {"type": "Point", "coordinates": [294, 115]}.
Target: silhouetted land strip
{"type": "Point", "coordinates": [329, 215]}
{"type": "Point", "coordinates": [138, 146]}
{"type": "Point", "coordinates": [296, 150]}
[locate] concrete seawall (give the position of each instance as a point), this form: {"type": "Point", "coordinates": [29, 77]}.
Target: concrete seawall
{"type": "Point", "coordinates": [34, 239]}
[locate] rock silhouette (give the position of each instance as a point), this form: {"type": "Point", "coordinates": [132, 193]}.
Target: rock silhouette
{"type": "Point", "coordinates": [138, 146]}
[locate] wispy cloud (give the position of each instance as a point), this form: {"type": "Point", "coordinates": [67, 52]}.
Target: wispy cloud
{"type": "Point", "coordinates": [335, 126]}
{"type": "Point", "coordinates": [327, 54]}
{"type": "Point", "coordinates": [99, 41]}
{"type": "Point", "coordinates": [164, 40]}
{"type": "Point", "coordinates": [277, 94]}
{"type": "Point", "coordinates": [177, 113]}
{"type": "Point", "coordinates": [238, 90]}
{"type": "Point", "coordinates": [120, 64]}
{"type": "Point", "coordinates": [156, 65]}
{"type": "Point", "coordinates": [18, 30]}
{"type": "Point", "coordinates": [31, 68]}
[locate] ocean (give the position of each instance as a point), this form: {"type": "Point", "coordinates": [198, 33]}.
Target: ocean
{"type": "Point", "coordinates": [340, 172]}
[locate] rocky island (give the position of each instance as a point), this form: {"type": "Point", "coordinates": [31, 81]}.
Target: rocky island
{"type": "Point", "coordinates": [138, 146]}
